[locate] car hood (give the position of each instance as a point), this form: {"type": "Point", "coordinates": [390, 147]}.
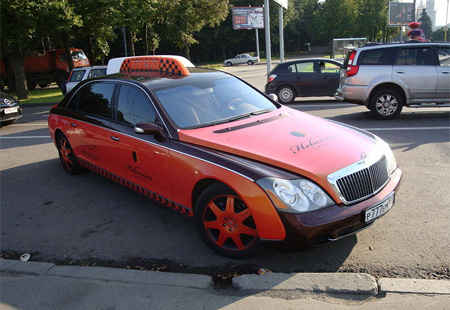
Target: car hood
{"type": "Point", "coordinates": [289, 139]}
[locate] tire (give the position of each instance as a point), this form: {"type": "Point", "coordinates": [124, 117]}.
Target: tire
{"type": "Point", "coordinates": [386, 104]}
{"type": "Point", "coordinates": [67, 157]}
{"type": "Point", "coordinates": [60, 77]}
{"type": "Point", "coordinates": [249, 62]}
{"type": "Point", "coordinates": [31, 85]}
{"type": "Point", "coordinates": [229, 64]}
{"type": "Point", "coordinates": [44, 85]}
{"type": "Point", "coordinates": [286, 94]}
{"type": "Point", "coordinates": [225, 223]}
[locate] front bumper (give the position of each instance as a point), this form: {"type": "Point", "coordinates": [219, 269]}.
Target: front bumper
{"type": "Point", "coordinates": [318, 227]}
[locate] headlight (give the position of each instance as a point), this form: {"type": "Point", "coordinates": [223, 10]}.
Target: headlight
{"type": "Point", "coordinates": [390, 158]}
{"type": "Point", "coordinates": [295, 196]}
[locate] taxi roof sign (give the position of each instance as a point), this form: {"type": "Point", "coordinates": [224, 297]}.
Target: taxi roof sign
{"type": "Point", "coordinates": [165, 64]}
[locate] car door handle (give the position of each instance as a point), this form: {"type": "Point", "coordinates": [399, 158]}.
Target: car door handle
{"type": "Point", "coordinates": [401, 72]}
{"type": "Point", "coordinates": [115, 138]}
{"type": "Point", "coordinates": [73, 124]}
{"type": "Point", "coordinates": [445, 72]}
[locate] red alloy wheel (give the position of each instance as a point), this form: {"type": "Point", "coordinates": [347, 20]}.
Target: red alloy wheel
{"type": "Point", "coordinates": [66, 152]}
{"type": "Point", "coordinates": [229, 223]}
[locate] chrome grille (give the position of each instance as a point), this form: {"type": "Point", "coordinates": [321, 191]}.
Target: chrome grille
{"type": "Point", "coordinates": [363, 183]}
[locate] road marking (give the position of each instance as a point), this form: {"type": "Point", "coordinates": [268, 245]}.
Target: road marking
{"type": "Point", "coordinates": [25, 137]}
{"type": "Point", "coordinates": [406, 128]}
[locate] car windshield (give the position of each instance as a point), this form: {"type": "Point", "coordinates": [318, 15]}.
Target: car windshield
{"type": "Point", "coordinates": [211, 102]}
{"type": "Point", "coordinates": [78, 55]}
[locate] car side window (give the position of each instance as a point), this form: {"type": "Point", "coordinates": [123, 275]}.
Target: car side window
{"type": "Point", "coordinates": [378, 57]}
{"type": "Point", "coordinates": [133, 106]}
{"type": "Point", "coordinates": [444, 55]}
{"type": "Point", "coordinates": [96, 98]}
{"type": "Point", "coordinates": [416, 56]}
{"type": "Point", "coordinates": [305, 67]}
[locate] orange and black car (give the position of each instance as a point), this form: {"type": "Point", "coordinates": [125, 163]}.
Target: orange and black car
{"type": "Point", "coordinates": [251, 172]}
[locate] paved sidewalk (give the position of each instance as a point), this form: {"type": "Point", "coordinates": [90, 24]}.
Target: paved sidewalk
{"type": "Point", "coordinates": [35, 285]}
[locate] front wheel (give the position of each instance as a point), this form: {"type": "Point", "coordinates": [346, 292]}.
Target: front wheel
{"type": "Point", "coordinates": [286, 94]}
{"type": "Point", "coordinates": [225, 223]}
{"type": "Point", "coordinates": [386, 104]}
{"type": "Point", "coordinates": [67, 157]}
{"type": "Point", "coordinates": [229, 64]}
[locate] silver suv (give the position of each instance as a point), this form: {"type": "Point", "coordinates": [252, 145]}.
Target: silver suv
{"type": "Point", "coordinates": [385, 78]}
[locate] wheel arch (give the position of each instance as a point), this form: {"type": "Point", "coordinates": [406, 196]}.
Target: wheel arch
{"type": "Point", "coordinates": [388, 86]}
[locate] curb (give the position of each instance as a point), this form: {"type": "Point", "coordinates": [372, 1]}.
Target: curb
{"type": "Point", "coordinates": [329, 283]}
{"type": "Point", "coordinates": [360, 284]}
{"type": "Point", "coordinates": [108, 274]}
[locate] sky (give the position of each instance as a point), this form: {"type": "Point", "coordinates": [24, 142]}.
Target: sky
{"type": "Point", "coordinates": [441, 8]}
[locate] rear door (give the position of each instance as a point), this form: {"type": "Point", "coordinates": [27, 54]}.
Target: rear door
{"type": "Point", "coordinates": [305, 78]}
{"type": "Point", "coordinates": [88, 130]}
{"type": "Point", "coordinates": [415, 68]}
{"type": "Point", "coordinates": [443, 73]}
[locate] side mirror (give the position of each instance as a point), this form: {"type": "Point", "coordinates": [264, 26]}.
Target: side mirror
{"type": "Point", "coordinates": [148, 128]}
{"type": "Point", "coordinates": [273, 97]}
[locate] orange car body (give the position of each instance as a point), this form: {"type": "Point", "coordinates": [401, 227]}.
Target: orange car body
{"type": "Point", "coordinates": [175, 165]}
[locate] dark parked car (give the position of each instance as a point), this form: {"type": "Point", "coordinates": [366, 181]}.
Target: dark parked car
{"type": "Point", "coordinates": [10, 109]}
{"type": "Point", "coordinates": [303, 78]}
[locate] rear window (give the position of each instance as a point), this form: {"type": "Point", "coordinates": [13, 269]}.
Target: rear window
{"type": "Point", "coordinates": [378, 57]}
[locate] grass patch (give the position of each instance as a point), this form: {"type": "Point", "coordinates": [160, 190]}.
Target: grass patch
{"type": "Point", "coordinates": [42, 95]}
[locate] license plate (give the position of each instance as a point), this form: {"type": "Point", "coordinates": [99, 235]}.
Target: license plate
{"type": "Point", "coordinates": [10, 110]}
{"type": "Point", "coordinates": [378, 210]}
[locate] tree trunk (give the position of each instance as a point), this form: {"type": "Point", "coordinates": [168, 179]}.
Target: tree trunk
{"type": "Point", "coordinates": [90, 50]}
{"type": "Point", "coordinates": [65, 39]}
{"type": "Point", "coordinates": [130, 39]}
{"type": "Point", "coordinates": [146, 39]}
{"type": "Point", "coordinates": [21, 82]}
{"type": "Point", "coordinates": [186, 51]}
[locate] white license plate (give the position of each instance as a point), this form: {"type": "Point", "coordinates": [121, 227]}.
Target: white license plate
{"type": "Point", "coordinates": [10, 110]}
{"type": "Point", "coordinates": [378, 210]}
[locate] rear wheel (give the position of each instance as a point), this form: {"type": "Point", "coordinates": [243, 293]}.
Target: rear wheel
{"type": "Point", "coordinates": [250, 62]}
{"type": "Point", "coordinates": [225, 223]}
{"type": "Point", "coordinates": [286, 94]}
{"type": "Point", "coordinates": [386, 104]}
{"type": "Point", "coordinates": [67, 157]}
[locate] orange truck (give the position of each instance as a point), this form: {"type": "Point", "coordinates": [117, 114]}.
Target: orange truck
{"type": "Point", "coordinates": [48, 68]}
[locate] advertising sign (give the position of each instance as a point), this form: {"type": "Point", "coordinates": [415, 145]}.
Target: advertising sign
{"type": "Point", "coordinates": [248, 18]}
{"type": "Point", "coordinates": [400, 13]}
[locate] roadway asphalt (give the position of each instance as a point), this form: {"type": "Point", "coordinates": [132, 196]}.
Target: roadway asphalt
{"type": "Point", "coordinates": [38, 285]}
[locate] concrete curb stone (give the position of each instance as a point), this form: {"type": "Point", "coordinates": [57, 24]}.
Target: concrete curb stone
{"type": "Point", "coordinates": [109, 274]}
{"type": "Point", "coordinates": [330, 283]}
{"type": "Point", "coordinates": [414, 286]}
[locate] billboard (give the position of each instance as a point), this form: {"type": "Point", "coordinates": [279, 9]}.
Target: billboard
{"type": "Point", "coordinates": [248, 18]}
{"type": "Point", "coordinates": [400, 13]}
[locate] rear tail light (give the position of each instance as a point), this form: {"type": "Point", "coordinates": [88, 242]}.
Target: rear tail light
{"type": "Point", "coordinates": [271, 78]}
{"type": "Point", "coordinates": [351, 68]}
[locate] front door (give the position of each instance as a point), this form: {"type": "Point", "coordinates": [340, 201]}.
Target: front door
{"type": "Point", "coordinates": [138, 158]}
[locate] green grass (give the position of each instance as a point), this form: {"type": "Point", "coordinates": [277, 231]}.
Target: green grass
{"type": "Point", "coordinates": [43, 95]}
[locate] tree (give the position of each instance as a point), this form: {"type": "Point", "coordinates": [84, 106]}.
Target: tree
{"type": "Point", "coordinates": [24, 24]}
{"type": "Point", "coordinates": [427, 24]}
{"type": "Point", "coordinates": [181, 19]}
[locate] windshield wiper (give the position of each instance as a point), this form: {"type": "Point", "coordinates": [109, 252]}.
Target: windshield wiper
{"type": "Point", "coordinates": [248, 115]}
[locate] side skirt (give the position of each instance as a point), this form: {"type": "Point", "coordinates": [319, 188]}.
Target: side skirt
{"type": "Point", "coordinates": [168, 203]}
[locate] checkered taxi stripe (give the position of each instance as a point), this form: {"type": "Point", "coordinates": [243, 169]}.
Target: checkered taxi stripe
{"type": "Point", "coordinates": [160, 65]}
{"type": "Point", "coordinates": [136, 188]}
